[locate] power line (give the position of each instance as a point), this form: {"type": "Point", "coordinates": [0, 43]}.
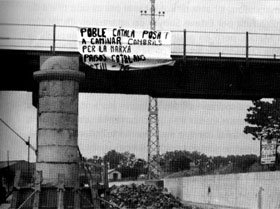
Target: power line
{"type": "Point", "coordinates": [216, 32]}
{"type": "Point", "coordinates": [266, 47]}
{"type": "Point", "coordinates": [266, 34]}
{"type": "Point", "coordinates": [36, 39]}
{"type": "Point", "coordinates": [24, 140]}
{"type": "Point", "coordinates": [26, 24]}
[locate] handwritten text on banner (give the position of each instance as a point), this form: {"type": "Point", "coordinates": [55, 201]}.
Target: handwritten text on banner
{"type": "Point", "coordinates": [124, 49]}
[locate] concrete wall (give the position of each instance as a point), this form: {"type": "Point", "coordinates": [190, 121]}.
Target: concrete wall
{"type": "Point", "coordinates": [246, 190]}
{"type": "Point", "coordinates": [119, 183]}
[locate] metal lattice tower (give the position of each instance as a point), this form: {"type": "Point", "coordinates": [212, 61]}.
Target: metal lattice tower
{"type": "Point", "coordinates": [153, 140]}
{"type": "Point", "coordinates": [153, 131]}
{"type": "Point", "coordinates": [153, 15]}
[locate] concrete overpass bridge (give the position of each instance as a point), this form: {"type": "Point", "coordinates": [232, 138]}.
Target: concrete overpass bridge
{"type": "Point", "coordinates": [209, 64]}
{"type": "Point", "coordinates": [191, 77]}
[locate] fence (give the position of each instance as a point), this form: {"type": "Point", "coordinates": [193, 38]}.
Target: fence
{"type": "Point", "coordinates": [184, 43]}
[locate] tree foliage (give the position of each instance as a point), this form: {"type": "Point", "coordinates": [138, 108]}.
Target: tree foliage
{"type": "Point", "coordinates": [95, 159]}
{"type": "Point", "coordinates": [264, 119]}
{"type": "Point", "coordinates": [175, 161]}
{"type": "Point", "coordinates": [126, 162]}
{"type": "Point", "coordinates": [241, 163]}
{"type": "Point", "coordinates": [180, 160]}
{"type": "Point", "coordinates": [114, 158]}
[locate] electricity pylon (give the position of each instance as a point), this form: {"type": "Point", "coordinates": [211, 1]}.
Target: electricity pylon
{"type": "Point", "coordinates": [154, 169]}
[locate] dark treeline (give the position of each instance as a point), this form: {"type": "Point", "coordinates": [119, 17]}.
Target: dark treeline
{"type": "Point", "coordinates": [190, 163]}
{"type": "Point", "coordinates": [200, 163]}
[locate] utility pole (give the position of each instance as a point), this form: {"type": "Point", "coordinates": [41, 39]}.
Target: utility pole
{"type": "Point", "coordinates": [153, 131]}
{"type": "Point", "coordinates": [28, 157]}
{"type": "Point", "coordinates": [8, 165]}
{"type": "Point", "coordinates": [8, 159]}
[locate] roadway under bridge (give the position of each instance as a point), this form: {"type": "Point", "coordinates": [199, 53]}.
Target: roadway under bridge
{"type": "Point", "coordinates": [190, 77]}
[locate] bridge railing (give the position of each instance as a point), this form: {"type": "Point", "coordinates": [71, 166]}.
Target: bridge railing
{"type": "Point", "coordinates": [184, 42]}
{"type": "Point", "coordinates": [226, 44]}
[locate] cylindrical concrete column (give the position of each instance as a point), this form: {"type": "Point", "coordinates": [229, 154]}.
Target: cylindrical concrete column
{"type": "Point", "coordinates": [58, 79]}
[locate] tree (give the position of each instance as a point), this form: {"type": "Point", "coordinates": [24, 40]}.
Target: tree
{"type": "Point", "coordinates": [244, 162]}
{"type": "Point", "coordinates": [114, 158]}
{"type": "Point", "coordinates": [175, 161]}
{"type": "Point", "coordinates": [128, 159]}
{"type": "Point", "coordinates": [264, 119]}
{"type": "Point", "coordinates": [132, 167]}
{"type": "Point", "coordinates": [95, 159]}
{"type": "Point", "coordinates": [126, 163]}
{"type": "Point", "coordinates": [179, 163]}
{"type": "Point", "coordinates": [132, 171]}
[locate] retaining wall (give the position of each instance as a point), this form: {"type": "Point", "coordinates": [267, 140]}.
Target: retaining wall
{"type": "Point", "coordinates": [245, 190]}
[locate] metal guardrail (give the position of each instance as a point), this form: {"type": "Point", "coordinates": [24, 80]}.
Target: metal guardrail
{"type": "Point", "coordinates": [182, 48]}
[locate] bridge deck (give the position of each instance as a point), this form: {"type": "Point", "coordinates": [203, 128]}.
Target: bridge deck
{"type": "Point", "coordinates": [192, 77]}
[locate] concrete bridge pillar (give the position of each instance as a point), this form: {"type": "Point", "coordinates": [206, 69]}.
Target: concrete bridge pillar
{"type": "Point", "coordinates": [58, 79]}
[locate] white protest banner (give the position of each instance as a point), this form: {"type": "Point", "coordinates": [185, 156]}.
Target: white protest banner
{"type": "Point", "coordinates": [121, 49]}
{"type": "Point", "coordinates": [268, 151]}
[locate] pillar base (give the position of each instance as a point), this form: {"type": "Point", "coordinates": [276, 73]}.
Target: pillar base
{"type": "Point", "coordinates": [51, 172]}
{"type": "Point", "coordinates": [39, 195]}
{"type": "Point", "coordinates": [57, 130]}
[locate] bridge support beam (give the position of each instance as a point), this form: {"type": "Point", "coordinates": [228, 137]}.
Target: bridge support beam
{"type": "Point", "coordinates": [57, 127]}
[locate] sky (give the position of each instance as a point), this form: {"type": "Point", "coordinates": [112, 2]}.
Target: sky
{"type": "Point", "coordinates": [120, 122]}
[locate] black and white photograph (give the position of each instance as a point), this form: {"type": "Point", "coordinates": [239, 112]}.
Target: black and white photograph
{"type": "Point", "coordinates": [140, 104]}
